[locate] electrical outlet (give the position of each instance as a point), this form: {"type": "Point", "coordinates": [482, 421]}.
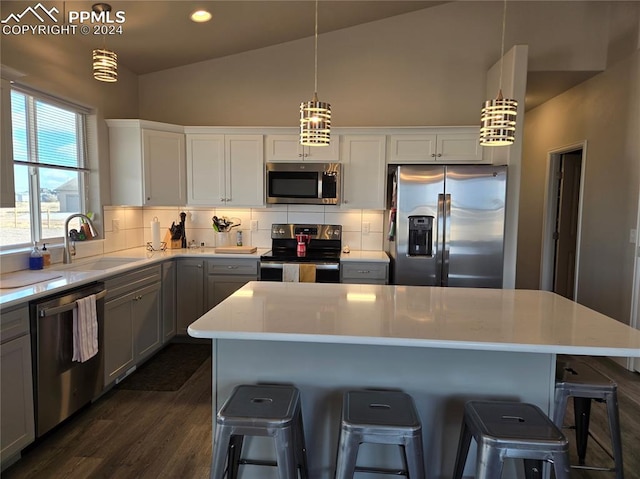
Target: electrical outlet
{"type": "Point", "coordinates": [254, 225]}
{"type": "Point", "coordinates": [366, 227]}
{"type": "Point", "coordinates": [115, 225]}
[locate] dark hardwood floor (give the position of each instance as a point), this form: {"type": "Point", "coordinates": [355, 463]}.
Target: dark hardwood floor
{"type": "Point", "coordinates": [147, 434]}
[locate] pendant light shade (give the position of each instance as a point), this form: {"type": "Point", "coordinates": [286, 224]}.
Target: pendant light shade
{"type": "Point", "coordinates": [105, 65]}
{"type": "Point", "coordinates": [315, 115]}
{"type": "Point", "coordinates": [498, 117]}
{"type": "Point", "coordinates": [498, 121]}
{"type": "Point", "coordinates": [315, 122]}
{"type": "Point", "coordinates": [105, 61]}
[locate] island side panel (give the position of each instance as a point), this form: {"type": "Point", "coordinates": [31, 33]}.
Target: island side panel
{"type": "Point", "coordinates": [439, 380]}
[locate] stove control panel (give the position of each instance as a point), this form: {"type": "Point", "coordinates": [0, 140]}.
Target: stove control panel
{"type": "Point", "coordinates": [317, 232]}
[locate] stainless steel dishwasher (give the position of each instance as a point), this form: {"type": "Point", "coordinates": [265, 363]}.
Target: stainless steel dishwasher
{"type": "Point", "coordinates": [62, 386]}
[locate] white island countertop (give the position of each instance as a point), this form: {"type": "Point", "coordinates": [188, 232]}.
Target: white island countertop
{"type": "Point", "coordinates": [432, 317]}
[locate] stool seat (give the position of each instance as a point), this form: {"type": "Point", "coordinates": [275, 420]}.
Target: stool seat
{"type": "Point", "coordinates": [379, 417]}
{"type": "Point", "coordinates": [584, 383]}
{"type": "Point", "coordinates": [260, 410]}
{"type": "Point", "coordinates": [507, 429]}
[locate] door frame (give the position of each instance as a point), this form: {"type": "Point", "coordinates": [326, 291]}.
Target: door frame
{"type": "Point", "coordinates": [633, 364]}
{"type": "Point", "coordinates": [547, 264]}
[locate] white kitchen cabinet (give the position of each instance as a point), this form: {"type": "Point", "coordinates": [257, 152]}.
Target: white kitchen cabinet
{"type": "Point", "coordinates": [17, 428]}
{"type": "Point", "coordinates": [132, 324]}
{"type": "Point", "coordinates": [147, 161]}
{"type": "Point", "coordinates": [7, 187]}
{"type": "Point", "coordinates": [283, 148]}
{"type": "Point", "coordinates": [363, 172]}
{"type": "Point", "coordinates": [225, 170]}
{"type": "Point", "coordinates": [440, 147]}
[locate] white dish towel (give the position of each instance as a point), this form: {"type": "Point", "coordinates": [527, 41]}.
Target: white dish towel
{"type": "Point", "coordinates": [290, 273]}
{"type": "Point", "coordinates": [85, 329]}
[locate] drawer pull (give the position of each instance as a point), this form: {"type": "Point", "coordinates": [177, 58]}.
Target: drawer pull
{"type": "Point", "coordinates": [232, 267]}
{"type": "Point", "coordinates": [364, 271]}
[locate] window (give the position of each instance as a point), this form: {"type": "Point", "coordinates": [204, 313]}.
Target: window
{"type": "Point", "coordinates": [49, 168]}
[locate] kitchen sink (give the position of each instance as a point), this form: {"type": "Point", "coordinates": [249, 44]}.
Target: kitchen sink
{"type": "Point", "coordinates": [99, 264]}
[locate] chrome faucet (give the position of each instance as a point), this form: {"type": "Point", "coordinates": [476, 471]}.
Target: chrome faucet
{"type": "Point", "coordinates": [70, 246]}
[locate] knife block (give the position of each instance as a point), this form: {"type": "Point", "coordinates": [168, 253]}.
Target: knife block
{"type": "Point", "coordinates": [171, 243]}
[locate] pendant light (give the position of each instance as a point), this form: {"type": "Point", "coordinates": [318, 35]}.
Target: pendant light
{"type": "Point", "coordinates": [105, 62]}
{"type": "Point", "coordinates": [315, 115]}
{"type": "Point", "coordinates": [498, 118]}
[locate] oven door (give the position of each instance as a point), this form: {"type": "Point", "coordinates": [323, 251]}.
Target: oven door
{"type": "Point", "coordinates": [326, 272]}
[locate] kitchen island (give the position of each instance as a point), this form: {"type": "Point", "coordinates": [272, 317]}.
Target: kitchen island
{"type": "Point", "coordinates": [441, 345]}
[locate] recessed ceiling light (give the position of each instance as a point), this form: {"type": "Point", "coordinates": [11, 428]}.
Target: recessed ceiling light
{"type": "Point", "coordinates": [200, 16]}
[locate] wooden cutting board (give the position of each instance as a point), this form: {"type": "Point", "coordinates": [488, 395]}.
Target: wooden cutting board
{"type": "Point", "coordinates": [236, 249]}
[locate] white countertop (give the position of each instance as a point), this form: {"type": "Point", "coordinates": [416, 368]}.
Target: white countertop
{"type": "Point", "coordinates": [70, 277]}
{"type": "Point", "coordinates": [456, 318]}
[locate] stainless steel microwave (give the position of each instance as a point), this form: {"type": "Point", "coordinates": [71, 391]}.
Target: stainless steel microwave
{"type": "Point", "coordinates": [303, 183]}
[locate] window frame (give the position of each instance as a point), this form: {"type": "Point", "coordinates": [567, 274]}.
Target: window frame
{"type": "Point", "coordinates": [34, 165]}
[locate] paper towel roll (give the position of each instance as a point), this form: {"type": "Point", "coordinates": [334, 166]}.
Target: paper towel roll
{"type": "Point", "coordinates": [155, 233]}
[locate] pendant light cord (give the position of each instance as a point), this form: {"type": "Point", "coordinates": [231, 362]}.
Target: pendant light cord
{"type": "Point", "coordinates": [315, 84]}
{"type": "Point", "coordinates": [504, 27]}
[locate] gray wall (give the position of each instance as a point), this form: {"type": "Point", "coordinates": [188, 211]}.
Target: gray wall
{"type": "Point", "coordinates": [423, 68]}
{"type": "Point", "coordinates": [605, 112]}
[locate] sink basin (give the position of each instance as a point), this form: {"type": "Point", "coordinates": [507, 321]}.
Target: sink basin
{"type": "Point", "coordinates": [100, 264]}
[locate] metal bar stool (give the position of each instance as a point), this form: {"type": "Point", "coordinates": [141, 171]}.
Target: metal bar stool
{"type": "Point", "coordinates": [584, 383]}
{"type": "Point", "coordinates": [506, 429]}
{"type": "Point", "coordinates": [260, 410]}
{"type": "Point", "coordinates": [380, 417]}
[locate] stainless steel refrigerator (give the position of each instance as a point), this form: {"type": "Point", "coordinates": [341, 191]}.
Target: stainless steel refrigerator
{"type": "Point", "coordinates": [446, 225]}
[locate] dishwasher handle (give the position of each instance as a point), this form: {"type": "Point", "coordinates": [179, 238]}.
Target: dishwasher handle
{"type": "Point", "coordinates": [43, 313]}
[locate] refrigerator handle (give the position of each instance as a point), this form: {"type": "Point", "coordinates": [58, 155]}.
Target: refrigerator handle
{"type": "Point", "coordinates": [439, 239]}
{"type": "Point", "coordinates": [446, 235]}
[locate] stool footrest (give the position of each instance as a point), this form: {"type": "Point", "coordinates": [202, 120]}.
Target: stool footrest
{"type": "Point", "coordinates": [257, 462]}
{"type": "Point", "coordinates": [594, 468]}
{"type": "Point", "coordinates": [381, 470]}
{"type": "Point", "coordinates": [602, 446]}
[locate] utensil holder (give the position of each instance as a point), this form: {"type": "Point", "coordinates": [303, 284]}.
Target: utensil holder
{"type": "Point", "coordinates": [223, 238]}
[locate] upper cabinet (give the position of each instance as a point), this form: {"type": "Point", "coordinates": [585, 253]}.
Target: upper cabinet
{"type": "Point", "coordinates": [147, 161]}
{"type": "Point", "coordinates": [225, 170]}
{"type": "Point", "coordinates": [7, 188]}
{"type": "Point", "coordinates": [447, 146]}
{"type": "Point", "coordinates": [288, 148]}
{"type": "Point", "coordinates": [364, 171]}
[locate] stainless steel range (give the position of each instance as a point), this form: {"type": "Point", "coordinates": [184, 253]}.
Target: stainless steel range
{"type": "Point", "coordinates": [322, 247]}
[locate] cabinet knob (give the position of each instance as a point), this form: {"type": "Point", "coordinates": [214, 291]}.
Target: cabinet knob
{"type": "Point", "coordinates": [222, 200]}
{"type": "Point", "coordinates": [137, 298]}
{"type": "Point", "coordinates": [227, 199]}
{"type": "Point", "coordinates": [433, 155]}
{"type": "Point", "coordinates": [439, 154]}
{"type": "Point", "coordinates": [199, 266]}
{"type": "Point", "coordinates": [148, 198]}
{"type": "Point", "coordinates": [300, 155]}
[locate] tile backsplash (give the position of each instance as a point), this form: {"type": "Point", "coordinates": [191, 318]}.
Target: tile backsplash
{"type": "Point", "coordinates": [128, 227]}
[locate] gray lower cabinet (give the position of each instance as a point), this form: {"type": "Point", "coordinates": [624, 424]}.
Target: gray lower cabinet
{"type": "Point", "coordinates": [364, 272]}
{"type": "Point", "coordinates": [169, 301]}
{"type": "Point", "coordinates": [16, 385]}
{"type": "Point", "coordinates": [132, 323]}
{"type": "Point", "coordinates": [227, 275]}
{"type": "Point", "coordinates": [190, 290]}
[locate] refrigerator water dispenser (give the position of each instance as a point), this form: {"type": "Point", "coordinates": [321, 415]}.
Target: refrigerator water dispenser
{"type": "Point", "coordinates": [420, 235]}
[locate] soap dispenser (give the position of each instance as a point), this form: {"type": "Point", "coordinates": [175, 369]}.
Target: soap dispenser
{"type": "Point", "coordinates": [46, 256]}
{"type": "Point", "coordinates": [36, 261]}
